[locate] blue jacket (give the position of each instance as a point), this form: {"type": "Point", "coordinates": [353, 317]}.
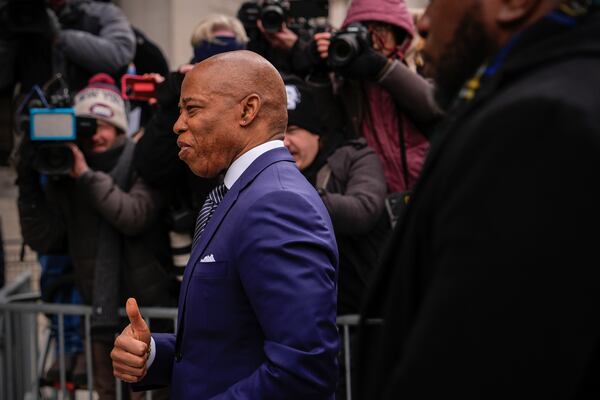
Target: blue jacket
{"type": "Point", "coordinates": [259, 321]}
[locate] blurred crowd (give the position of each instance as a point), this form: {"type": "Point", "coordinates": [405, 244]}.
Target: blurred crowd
{"type": "Point", "coordinates": [111, 211]}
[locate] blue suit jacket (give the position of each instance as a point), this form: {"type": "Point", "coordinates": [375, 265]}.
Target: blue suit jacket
{"type": "Point", "coordinates": [259, 322]}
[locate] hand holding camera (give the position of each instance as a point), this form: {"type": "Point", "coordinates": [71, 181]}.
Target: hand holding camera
{"type": "Point", "coordinates": [283, 39]}
{"type": "Point", "coordinates": [350, 52]}
{"type": "Point", "coordinates": [79, 164]}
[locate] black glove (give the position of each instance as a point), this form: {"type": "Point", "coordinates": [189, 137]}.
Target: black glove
{"type": "Point", "coordinates": [305, 57]}
{"type": "Point", "coordinates": [366, 66]}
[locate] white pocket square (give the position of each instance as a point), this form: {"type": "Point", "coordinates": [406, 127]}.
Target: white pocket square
{"type": "Point", "coordinates": [207, 259]}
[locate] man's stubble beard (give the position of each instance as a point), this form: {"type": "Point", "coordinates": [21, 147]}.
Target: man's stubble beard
{"type": "Point", "coordinates": [464, 55]}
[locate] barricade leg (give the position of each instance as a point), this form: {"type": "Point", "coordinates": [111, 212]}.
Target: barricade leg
{"type": "Point", "coordinates": [35, 357]}
{"type": "Point", "coordinates": [61, 355]}
{"type": "Point", "coordinates": [44, 356]}
{"type": "Point", "coordinates": [347, 362]}
{"type": "Point", "coordinates": [9, 356]}
{"type": "Point", "coordinates": [88, 356]}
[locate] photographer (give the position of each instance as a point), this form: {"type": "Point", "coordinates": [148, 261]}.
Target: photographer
{"type": "Point", "coordinates": [285, 36]}
{"type": "Point", "coordinates": [385, 102]}
{"type": "Point", "coordinates": [102, 215]}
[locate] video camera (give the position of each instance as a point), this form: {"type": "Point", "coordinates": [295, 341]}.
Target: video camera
{"type": "Point", "coordinates": [347, 44]}
{"type": "Point", "coordinates": [50, 129]}
{"type": "Point", "coordinates": [51, 124]}
{"type": "Point", "coordinates": [274, 13]}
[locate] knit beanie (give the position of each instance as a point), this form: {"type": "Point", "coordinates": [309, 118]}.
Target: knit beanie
{"type": "Point", "coordinates": [101, 99]}
{"type": "Point", "coordinates": [302, 108]}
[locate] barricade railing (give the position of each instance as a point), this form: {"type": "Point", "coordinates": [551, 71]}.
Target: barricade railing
{"type": "Point", "coordinates": [19, 337]}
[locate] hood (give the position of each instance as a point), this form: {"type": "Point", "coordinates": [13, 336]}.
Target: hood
{"type": "Point", "coordinates": [393, 12]}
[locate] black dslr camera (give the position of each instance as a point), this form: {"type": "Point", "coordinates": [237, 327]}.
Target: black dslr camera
{"type": "Point", "coordinates": [274, 13]}
{"type": "Point", "coordinates": [347, 44]}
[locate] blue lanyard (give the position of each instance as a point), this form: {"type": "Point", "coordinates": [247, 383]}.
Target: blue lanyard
{"type": "Point", "coordinates": [556, 16]}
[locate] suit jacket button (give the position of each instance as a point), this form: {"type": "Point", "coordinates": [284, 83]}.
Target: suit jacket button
{"type": "Point", "coordinates": [178, 356]}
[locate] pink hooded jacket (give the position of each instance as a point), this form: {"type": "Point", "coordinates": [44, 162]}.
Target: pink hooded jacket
{"type": "Point", "coordinates": [383, 121]}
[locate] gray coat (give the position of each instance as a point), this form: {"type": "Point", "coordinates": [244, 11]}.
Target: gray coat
{"type": "Point", "coordinates": [94, 37]}
{"type": "Point", "coordinates": [353, 188]}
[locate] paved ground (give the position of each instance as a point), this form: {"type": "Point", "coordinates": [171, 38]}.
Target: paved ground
{"type": "Point", "coordinates": [11, 231]}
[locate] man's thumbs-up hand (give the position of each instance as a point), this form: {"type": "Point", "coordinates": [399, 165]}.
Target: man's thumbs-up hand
{"type": "Point", "coordinates": [136, 322]}
{"type": "Point", "coordinates": [132, 346]}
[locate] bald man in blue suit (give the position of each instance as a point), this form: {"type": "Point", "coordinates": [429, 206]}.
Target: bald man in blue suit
{"type": "Point", "coordinates": [258, 300]}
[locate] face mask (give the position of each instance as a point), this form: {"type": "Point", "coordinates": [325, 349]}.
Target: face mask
{"type": "Point", "coordinates": [219, 44]}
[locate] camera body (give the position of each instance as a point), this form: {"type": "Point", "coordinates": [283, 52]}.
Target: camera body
{"type": "Point", "coordinates": [274, 13]}
{"type": "Point", "coordinates": [50, 129]}
{"type": "Point", "coordinates": [136, 87]}
{"type": "Point", "coordinates": [347, 44]}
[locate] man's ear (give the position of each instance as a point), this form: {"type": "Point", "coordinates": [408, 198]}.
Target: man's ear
{"type": "Point", "coordinates": [512, 12]}
{"type": "Point", "coordinates": [250, 107]}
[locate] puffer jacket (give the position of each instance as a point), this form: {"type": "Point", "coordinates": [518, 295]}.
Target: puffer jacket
{"type": "Point", "coordinates": [94, 37]}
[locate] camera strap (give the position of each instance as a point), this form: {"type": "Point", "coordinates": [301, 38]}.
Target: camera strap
{"type": "Point", "coordinates": [402, 142]}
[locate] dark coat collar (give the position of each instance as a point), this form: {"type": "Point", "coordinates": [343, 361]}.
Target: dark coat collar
{"type": "Point", "coordinates": [548, 41]}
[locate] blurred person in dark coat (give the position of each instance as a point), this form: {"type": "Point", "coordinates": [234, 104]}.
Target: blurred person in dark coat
{"type": "Point", "coordinates": [491, 288]}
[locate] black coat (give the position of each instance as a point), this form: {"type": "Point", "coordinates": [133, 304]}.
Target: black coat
{"type": "Point", "coordinates": [492, 287]}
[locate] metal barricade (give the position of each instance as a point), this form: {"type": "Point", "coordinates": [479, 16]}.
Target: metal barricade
{"type": "Point", "coordinates": [22, 365]}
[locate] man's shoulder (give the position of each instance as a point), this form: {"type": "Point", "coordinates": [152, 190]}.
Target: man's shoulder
{"type": "Point", "coordinates": [281, 178]}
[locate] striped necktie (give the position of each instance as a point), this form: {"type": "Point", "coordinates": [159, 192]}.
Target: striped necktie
{"type": "Point", "coordinates": [208, 208]}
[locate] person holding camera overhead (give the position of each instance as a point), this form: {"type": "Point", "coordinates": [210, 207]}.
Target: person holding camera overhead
{"type": "Point", "coordinates": [101, 214]}
{"type": "Point", "coordinates": [386, 103]}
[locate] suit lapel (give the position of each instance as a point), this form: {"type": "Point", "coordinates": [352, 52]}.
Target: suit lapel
{"type": "Point", "coordinates": [262, 162]}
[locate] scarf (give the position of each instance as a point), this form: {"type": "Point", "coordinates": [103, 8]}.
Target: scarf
{"type": "Point", "coordinates": [219, 44]}
{"type": "Point", "coordinates": [109, 256]}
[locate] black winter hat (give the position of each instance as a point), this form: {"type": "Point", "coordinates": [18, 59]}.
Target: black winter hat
{"type": "Point", "coordinates": [302, 108]}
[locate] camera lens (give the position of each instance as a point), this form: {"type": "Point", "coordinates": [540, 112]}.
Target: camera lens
{"type": "Point", "coordinates": [272, 17]}
{"type": "Point", "coordinates": [54, 159]}
{"type": "Point", "coordinates": [343, 49]}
